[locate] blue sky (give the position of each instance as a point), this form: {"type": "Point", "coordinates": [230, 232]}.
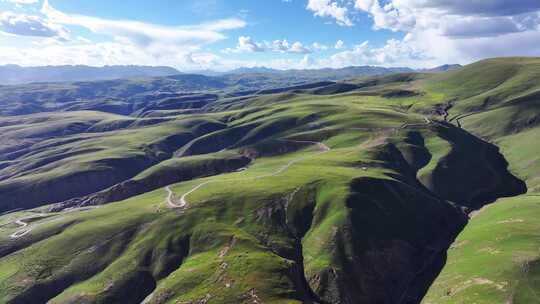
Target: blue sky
{"type": "Point", "coordinates": [226, 34]}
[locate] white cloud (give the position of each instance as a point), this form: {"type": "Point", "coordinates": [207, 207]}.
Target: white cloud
{"type": "Point", "coordinates": [446, 30]}
{"type": "Point", "coordinates": [394, 52]}
{"type": "Point", "coordinates": [147, 34]}
{"type": "Point", "coordinates": [435, 32]}
{"type": "Point", "coordinates": [390, 16]}
{"type": "Point", "coordinates": [364, 5]}
{"type": "Point", "coordinates": [248, 45]}
{"type": "Point", "coordinates": [329, 8]}
{"type": "Point", "coordinates": [30, 25]}
{"type": "Point", "coordinates": [34, 40]}
{"type": "Point", "coordinates": [316, 46]}
{"type": "Point", "coordinates": [99, 54]}
{"type": "Point", "coordinates": [299, 48]}
{"type": "Point", "coordinates": [453, 18]}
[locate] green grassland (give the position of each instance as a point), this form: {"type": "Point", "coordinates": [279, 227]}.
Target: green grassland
{"type": "Point", "coordinates": [494, 259]}
{"type": "Point", "coordinates": [277, 219]}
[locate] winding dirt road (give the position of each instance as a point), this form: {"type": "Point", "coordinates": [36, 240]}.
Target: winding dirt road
{"type": "Point", "coordinates": [183, 200]}
{"type": "Point", "coordinates": [322, 147]}
{"type": "Point", "coordinates": [24, 230]}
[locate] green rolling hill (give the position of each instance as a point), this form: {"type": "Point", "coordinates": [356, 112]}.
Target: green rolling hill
{"type": "Point", "coordinates": [495, 259]}
{"type": "Point", "coordinates": [185, 189]}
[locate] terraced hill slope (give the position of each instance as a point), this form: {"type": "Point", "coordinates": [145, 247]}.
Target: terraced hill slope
{"type": "Point", "coordinates": [347, 192]}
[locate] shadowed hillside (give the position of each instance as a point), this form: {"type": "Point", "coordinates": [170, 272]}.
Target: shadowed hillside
{"type": "Point", "coordinates": [333, 192]}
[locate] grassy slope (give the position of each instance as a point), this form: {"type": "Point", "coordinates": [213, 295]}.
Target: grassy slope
{"type": "Point", "coordinates": [245, 240]}
{"type": "Point", "coordinates": [494, 260]}
{"type": "Point", "coordinates": [241, 233]}
{"type": "Point", "coordinates": [219, 216]}
{"type": "Point", "coordinates": [43, 153]}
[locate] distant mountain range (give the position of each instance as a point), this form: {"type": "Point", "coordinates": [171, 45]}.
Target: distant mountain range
{"type": "Point", "coordinates": [324, 74]}
{"type": "Point", "coordinates": [441, 69]}
{"type": "Point", "coordinates": [343, 73]}
{"type": "Point", "coordinates": [14, 74]}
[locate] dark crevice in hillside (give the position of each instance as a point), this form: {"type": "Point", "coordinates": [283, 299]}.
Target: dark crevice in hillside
{"type": "Point", "coordinates": [154, 265]}
{"type": "Point", "coordinates": [409, 160]}
{"type": "Point", "coordinates": [165, 263]}
{"type": "Point", "coordinates": [299, 208]}
{"type": "Point", "coordinates": [131, 290]}
{"type": "Point", "coordinates": [293, 215]}
{"type": "Point", "coordinates": [141, 277]}
{"type": "Point", "coordinates": [399, 94]}
{"type": "Point", "coordinates": [472, 175]}
{"type": "Point", "coordinates": [393, 230]}
{"type": "Point", "coordinates": [399, 231]}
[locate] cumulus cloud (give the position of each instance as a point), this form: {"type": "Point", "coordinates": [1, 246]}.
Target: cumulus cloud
{"type": "Point", "coordinates": [389, 16]}
{"type": "Point", "coordinates": [329, 8]}
{"type": "Point", "coordinates": [29, 25]}
{"type": "Point", "coordinates": [316, 46]}
{"type": "Point", "coordinates": [393, 52]}
{"type": "Point", "coordinates": [453, 18]}
{"type": "Point", "coordinates": [299, 48]}
{"type": "Point", "coordinates": [248, 45]}
{"type": "Point", "coordinates": [447, 30]}
{"type": "Point", "coordinates": [339, 45]}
